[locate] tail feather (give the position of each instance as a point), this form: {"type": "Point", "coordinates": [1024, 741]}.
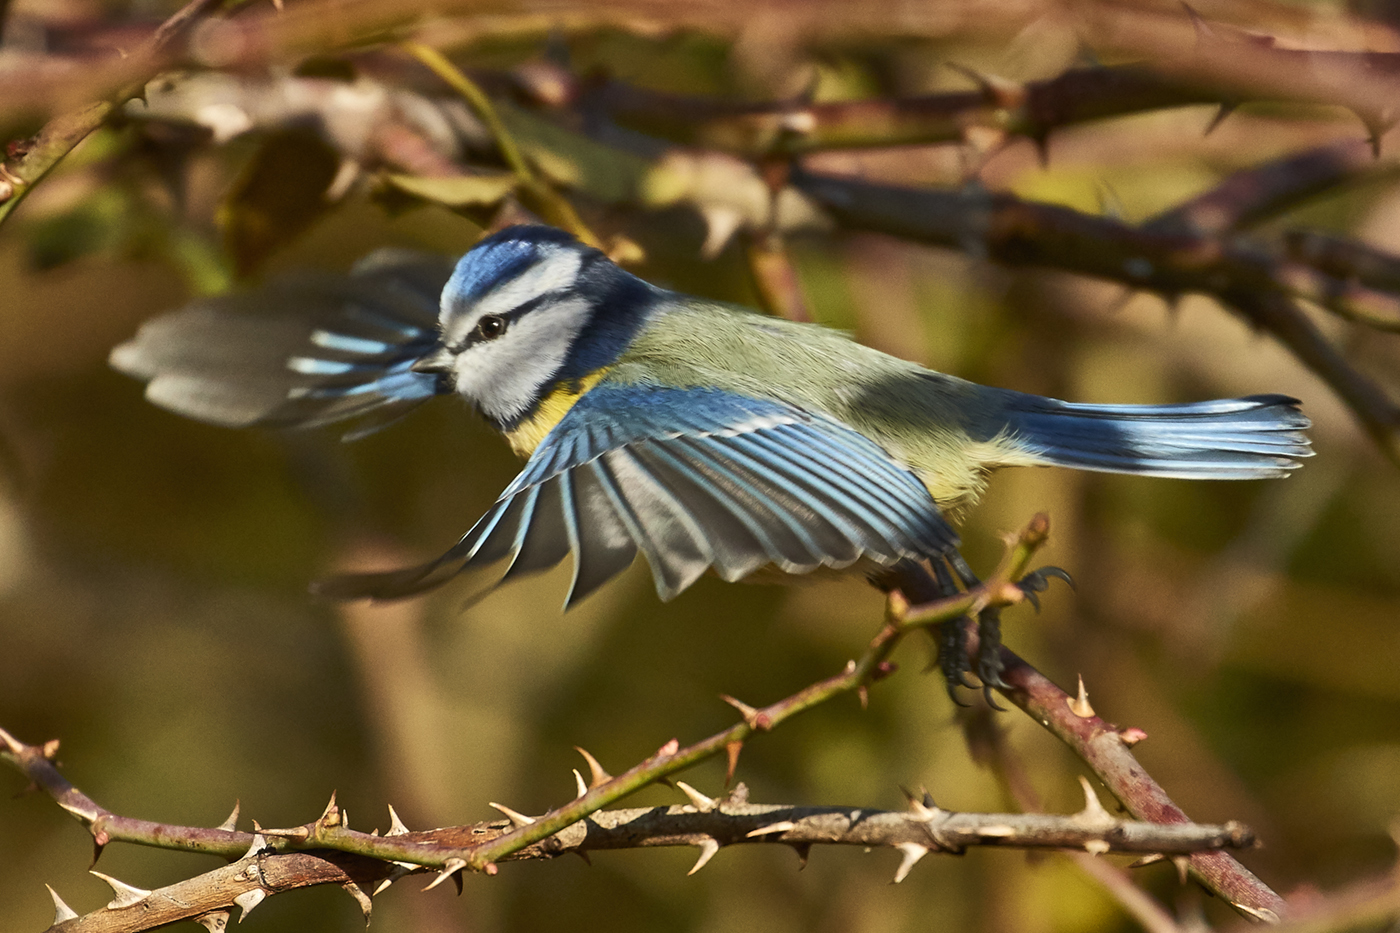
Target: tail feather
{"type": "Point", "coordinates": [1257, 437]}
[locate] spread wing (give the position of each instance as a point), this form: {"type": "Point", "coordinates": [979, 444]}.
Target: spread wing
{"type": "Point", "coordinates": [302, 351]}
{"type": "Point", "coordinates": [694, 479]}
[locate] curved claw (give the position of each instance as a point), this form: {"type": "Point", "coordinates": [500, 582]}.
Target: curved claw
{"type": "Point", "coordinates": [991, 701]}
{"type": "Point", "coordinates": [1038, 581]}
{"type": "Point", "coordinates": [953, 695]}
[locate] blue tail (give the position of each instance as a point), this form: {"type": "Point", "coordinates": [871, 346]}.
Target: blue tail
{"type": "Point", "coordinates": [1257, 437]}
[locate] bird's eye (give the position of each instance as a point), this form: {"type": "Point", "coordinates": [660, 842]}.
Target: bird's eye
{"type": "Point", "coordinates": [491, 326]}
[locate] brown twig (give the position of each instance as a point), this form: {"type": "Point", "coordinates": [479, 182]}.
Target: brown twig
{"type": "Point", "coordinates": [1105, 748]}
{"type": "Point", "coordinates": [64, 132]}
{"type": "Point", "coordinates": [269, 862]}
{"type": "Point", "coordinates": [1102, 746]}
{"type": "Point", "coordinates": [795, 127]}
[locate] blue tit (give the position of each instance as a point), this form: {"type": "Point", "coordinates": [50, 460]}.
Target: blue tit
{"type": "Point", "coordinates": [701, 434]}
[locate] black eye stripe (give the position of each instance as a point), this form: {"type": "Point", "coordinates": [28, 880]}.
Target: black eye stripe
{"type": "Point", "coordinates": [507, 317]}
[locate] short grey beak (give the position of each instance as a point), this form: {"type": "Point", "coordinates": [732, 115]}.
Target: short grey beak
{"type": "Point", "coordinates": [438, 361]}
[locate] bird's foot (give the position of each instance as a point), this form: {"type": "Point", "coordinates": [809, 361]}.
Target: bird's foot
{"type": "Point", "coordinates": [954, 659]}
{"type": "Point", "coordinates": [952, 656]}
{"type": "Point", "coordinates": [1038, 581]}
{"type": "Point", "coordinates": [989, 666]}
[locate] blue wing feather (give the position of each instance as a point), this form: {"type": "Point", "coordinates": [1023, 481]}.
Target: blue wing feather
{"type": "Point", "coordinates": [695, 479]}
{"type": "Point", "coordinates": [301, 352]}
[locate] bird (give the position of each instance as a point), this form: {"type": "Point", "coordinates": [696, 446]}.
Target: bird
{"type": "Point", "coordinates": [706, 436]}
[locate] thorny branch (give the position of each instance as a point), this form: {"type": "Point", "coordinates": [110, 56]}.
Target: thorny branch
{"type": "Point", "coordinates": [1196, 246]}
{"type": "Point", "coordinates": [706, 822]}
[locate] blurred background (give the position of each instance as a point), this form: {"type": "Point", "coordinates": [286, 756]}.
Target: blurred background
{"type": "Point", "coordinates": [154, 613]}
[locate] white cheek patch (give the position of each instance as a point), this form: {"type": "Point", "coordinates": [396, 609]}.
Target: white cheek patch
{"type": "Point", "coordinates": [556, 272]}
{"type": "Point", "coordinates": [503, 377]}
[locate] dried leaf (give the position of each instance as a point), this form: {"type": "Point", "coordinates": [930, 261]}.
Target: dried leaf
{"type": "Point", "coordinates": [460, 191]}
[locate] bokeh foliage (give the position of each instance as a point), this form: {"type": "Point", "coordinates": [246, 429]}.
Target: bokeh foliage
{"type": "Point", "coordinates": [153, 610]}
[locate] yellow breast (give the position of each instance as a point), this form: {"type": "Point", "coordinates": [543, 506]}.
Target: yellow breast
{"type": "Point", "coordinates": [526, 436]}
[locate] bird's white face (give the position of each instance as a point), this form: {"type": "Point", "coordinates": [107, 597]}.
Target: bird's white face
{"type": "Point", "coordinates": [508, 328]}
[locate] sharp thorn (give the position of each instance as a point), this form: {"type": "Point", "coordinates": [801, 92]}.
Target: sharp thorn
{"type": "Point", "coordinates": [1183, 867]}
{"type": "Point", "coordinates": [231, 823]}
{"type": "Point", "coordinates": [583, 854]}
{"type": "Point", "coordinates": [249, 900]}
{"type": "Point", "coordinates": [1262, 914]}
{"type": "Point", "coordinates": [732, 750]}
{"type": "Point", "coordinates": [597, 776]}
{"type": "Point", "coordinates": [1079, 706]}
{"type": "Point", "coordinates": [396, 826]}
{"type": "Point", "coordinates": [804, 852]}
{"type": "Point", "coordinates": [216, 921]}
{"type": "Point", "coordinates": [771, 828]}
{"type": "Point", "coordinates": [449, 868]}
{"type": "Point", "coordinates": [698, 800]}
{"type": "Point", "coordinates": [924, 810]}
{"type": "Point", "coordinates": [259, 843]}
{"type": "Point", "coordinates": [396, 871]}
{"type": "Point", "coordinates": [361, 898]}
{"type": "Point", "coordinates": [1093, 813]}
{"type": "Point", "coordinates": [1151, 858]}
{"type": "Point", "coordinates": [126, 894]}
{"type": "Point", "coordinates": [1226, 108]}
{"type": "Point", "coordinates": [61, 911]}
{"type": "Point", "coordinates": [582, 784]}
{"type": "Point", "coordinates": [331, 816]}
{"type": "Point", "coordinates": [912, 853]}
{"type": "Point", "coordinates": [708, 848]}
{"type": "Point", "coordinates": [754, 718]}
{"type": "Point", "coordinates": [516, 817]}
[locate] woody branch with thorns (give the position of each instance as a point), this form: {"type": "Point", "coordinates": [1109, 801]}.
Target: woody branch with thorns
{"type": "Point", "coordinates": [327, 851]}
{"type": "Point", "coordinates": [1198, 246]}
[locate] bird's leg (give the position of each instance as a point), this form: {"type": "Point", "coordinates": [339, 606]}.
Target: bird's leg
{"type": "Point", "coordinates": [914, 580]}
{"type": "Point", "coordinates": [950, 576]}
{"type": "Point", "coordinates": [989, 665]}
{"type": "Point", "coordinates": [952, 636]}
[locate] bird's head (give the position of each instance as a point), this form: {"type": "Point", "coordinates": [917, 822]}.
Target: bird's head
{"type": "Point", "coordinates": [527, 309]}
